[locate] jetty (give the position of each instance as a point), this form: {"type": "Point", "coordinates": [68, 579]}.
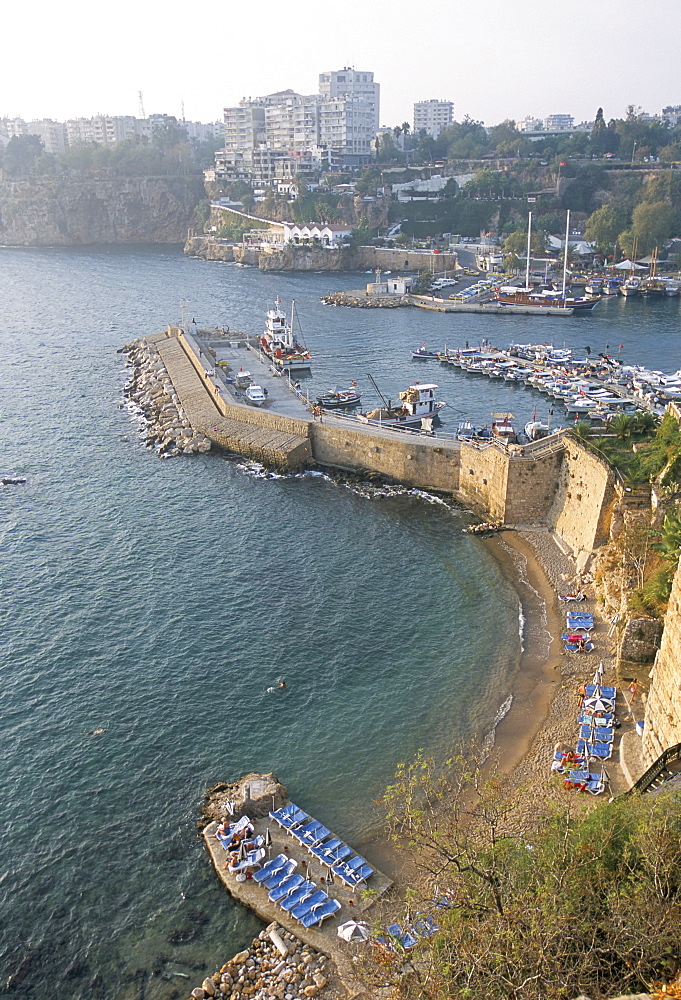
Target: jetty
{"type": "Point", "coordinates": [256, 796]}
{"type": "Point", "coordinates": [361, 299]}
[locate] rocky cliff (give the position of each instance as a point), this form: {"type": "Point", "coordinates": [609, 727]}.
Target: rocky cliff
{"type": "Point", "coordinates": [58, 212]}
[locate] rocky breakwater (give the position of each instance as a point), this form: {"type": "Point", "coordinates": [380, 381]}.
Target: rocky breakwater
{"type": "Point", "coordinates": [360, 300]}
{"type": "Point", "coordinates": [277, 966]}
{"type": "Point", "coordinates": [151, 392]}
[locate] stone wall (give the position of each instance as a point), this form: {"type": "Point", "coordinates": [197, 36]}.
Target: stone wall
{"type": "Point", "coordinates": [509, 487]}
{"type": "Point", "coordinates": [663, 707]}
{"type": "Point", "coordinates": [414, 462]}
{"type": "Point", "coordinates": [583, 501]}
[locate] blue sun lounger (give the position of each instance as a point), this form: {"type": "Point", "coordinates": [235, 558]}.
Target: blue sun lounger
{"type": "Point", "coordinates": [602, 734]}
{"type": "Point", "coordinates": [353, 873]}
{"type": "Point", "coordinates": [295, 817]}
{"type": "Point", "coordinates": [318, 914]}
{"type": "Point", "coordinates": [285, 887]}
{"type": "Point", "coordinates": [573, 647]}
{"type": "Point", "coordinates": [602, 750]}
{"type": "Point", "coordinates": [602, 719]}
{"type": "Point", "coordinates": [274, 880]}
{"type": "Point", "coordinates": [311, 837]}
{"type": "Point", "coordinates": [284, 814]}
{"type": "Point", "coordinates": [301, 895]}
{"type": "Point", "coordinates": [324, 850]}
{"type": "Point", "coordinates": [331, 858]}
{"type": "Point", "coordinates": [404, 938]}
{"type": "Point", "coordinates": [314, 899]}
{"type": "Point", "coordinates": [273, 867]}
{"type": "Point", "coordinates": [606, 692]}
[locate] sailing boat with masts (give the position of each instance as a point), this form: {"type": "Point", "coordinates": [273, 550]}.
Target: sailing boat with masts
{"type": "Point", "coordinates": [510, 295]}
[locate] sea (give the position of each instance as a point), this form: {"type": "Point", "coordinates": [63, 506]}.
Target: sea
{"type": "Point", "coordinates": [147, 606]}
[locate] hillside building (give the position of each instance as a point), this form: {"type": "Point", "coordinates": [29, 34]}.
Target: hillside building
{"type": "Point", "coordinates": [432, 117]}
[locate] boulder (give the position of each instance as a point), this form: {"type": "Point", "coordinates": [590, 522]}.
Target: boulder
{"type": "Point", "coordinates": [253, 795]}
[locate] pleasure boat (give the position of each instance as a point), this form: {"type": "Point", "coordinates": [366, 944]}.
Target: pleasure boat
{"type": "Point", "coordinates": [279, 344]}
{"type": "Point", "coordinates": [630, 287]}
{"type": "Point", "coordinates": [256, 395]}
{"type": "Point", "coordinates": [502, 428]}
{"type": "Point", "coordinates": [536, 429]}
{"type": "Point", "coordinates": [242, 378]}
{"type": "Point", "coordinates": [423, 352]}
{"type": "Point", "coordinates": [417, 403]}
{"type": "Point", "coordinates": [509, 295]}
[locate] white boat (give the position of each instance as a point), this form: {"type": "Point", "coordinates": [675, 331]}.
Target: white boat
{"type": "Point", "coordinates": [279, 344]}
{"type": "Point", "coordinates": [630, 287]}
{"type": "Point", "coordinates": [256, 395]}
{"type": "Point", "coordinates": [536, 429]}
{"type": "Point", "coordinates": [242, 378]}
{"type": "Point", "coordinates": [502, 428]}
{"type": "Point", "coordinates": [417, 403]}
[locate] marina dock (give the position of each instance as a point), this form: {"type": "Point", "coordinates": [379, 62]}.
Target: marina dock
{"type": "Point", "coordinates": [359, 299]}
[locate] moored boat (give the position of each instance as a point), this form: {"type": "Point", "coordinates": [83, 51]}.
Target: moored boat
{"type": "Point", "coordinates": [423, 352]}
{"type": "Point", "coordinates": [255, 395]}
{"type": "Point", "coordinates": [336, 398]}
{"type": "Point", "coordinates": [509, 295]}
{"type": "Point", "coordinates": [630, 287]}
{"type": "Point", "coordinates": [417, 403]}
{"type": "Point", "coordinates": [502, 428]}
{"type": "Point", "coordinates": [279, 344]}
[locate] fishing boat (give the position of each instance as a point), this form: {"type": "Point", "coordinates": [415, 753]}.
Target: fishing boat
{"type": "Point", "coordinates": [423, 352]}
{"type": "Point", "coordinates": [594, 285]}
{"type": "Point", "coordinates": [502, 428]}
{"type": "Point", "coordinates": [536, 429]}
{"type": "Point", "coordinates": [417, 404]}
{"type": "Point", "coordinates": [336, 398]}
{"type": "Point", "coordinates": [279, 343]}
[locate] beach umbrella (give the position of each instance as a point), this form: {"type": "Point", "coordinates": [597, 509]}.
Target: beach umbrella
{"type": "Point", "coordinates": [352, 930]}
{"type": "Point", "coordinates": [307, 871]}
{"type": "Point", "coordinates": [242, 850]}
{"type": "Point", "coordinates": [268, 842]}
{"type": "Point", "coordinates": [597, 704]}
{"type": "Point", "coordinates": [230, 805]}
{"type": "Point", "coordinates": [329, 877]}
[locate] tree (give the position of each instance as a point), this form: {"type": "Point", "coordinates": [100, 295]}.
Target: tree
{"type": "Point", "coordinates": [20, 155]}
{"type": "Point", "coordinates": [604, 225]}
{"type": "Point", "coordinates": [531, 907]}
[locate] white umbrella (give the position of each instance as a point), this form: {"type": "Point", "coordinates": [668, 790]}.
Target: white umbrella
{"type": "Point", "coordinates": [351, 930]}
{"type": "Point", "coordinates": [597, 704]}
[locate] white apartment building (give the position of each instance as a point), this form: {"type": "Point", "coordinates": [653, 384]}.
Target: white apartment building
{"type": "Point", "coordinates": [244, 126]}
{"type": "Point", "coordinates": [432, 117]}
{"type": "Point", "coordinates": [51, 134]}
{"type": "Point", "coordinates": [530, 124]}
{"type": "Point", "coordinates": [352, 84]}
{"type": "Point", "coordinates": [559, 123]}
{"type": "Point", "coordinates": [346, 131]}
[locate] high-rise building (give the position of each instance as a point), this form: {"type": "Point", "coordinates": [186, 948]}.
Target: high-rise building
{"type": "Point", "coordinates": [51, 134]}
{"type": "Point", "coordinates": [432, 116]}
{"type": "Point", "coordinates": [244, 126]}
{"type": "Point", "coordinates": [352, 84]}
{"type": "Point", "coordinates": [559, 123]}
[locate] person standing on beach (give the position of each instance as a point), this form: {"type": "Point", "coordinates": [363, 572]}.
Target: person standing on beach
{"type": "Point", "coordinates": [633, 688]}
{"type": "Point", "coordinates": [581, 694]}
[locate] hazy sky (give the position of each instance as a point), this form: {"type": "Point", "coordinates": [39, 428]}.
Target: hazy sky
{"type": "Point", "coordinates": [495, 59]}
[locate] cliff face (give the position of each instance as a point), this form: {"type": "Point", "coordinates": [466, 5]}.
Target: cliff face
{"type": "Point", "coordinates": [57, 212]}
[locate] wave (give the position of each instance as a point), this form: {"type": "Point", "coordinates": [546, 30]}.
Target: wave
{"type": "Point", "coordinates": [490, 738]}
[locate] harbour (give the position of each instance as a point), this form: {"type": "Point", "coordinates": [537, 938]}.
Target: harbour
{"type": "Point", "coordinates": [149, 550]}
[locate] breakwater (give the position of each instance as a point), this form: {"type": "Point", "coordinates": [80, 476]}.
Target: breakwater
{"type": "Point", "coordinates": [361, 299]}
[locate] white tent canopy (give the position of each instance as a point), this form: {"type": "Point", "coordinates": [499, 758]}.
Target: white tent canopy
{"type": "Point", "coordinates": [629, 265]}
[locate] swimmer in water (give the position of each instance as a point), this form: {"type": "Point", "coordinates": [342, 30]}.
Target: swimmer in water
{"type": "Point", "coordinates": [95, 732]}
{"type": "Point", "coordinates": [281, 684]}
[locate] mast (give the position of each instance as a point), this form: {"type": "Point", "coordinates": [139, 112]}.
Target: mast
{"type": "Point", "coordinates": [567, 235]}
{"type": "Point", "coordinates": [529, 237]}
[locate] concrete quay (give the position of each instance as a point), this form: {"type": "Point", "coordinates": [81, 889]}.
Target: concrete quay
{"type": "Point", "coordinates": [354, 905]}
{"type": "Point", "coordinates": [360, 299]}
{"type": "Point", "coordinates": [283, 434]}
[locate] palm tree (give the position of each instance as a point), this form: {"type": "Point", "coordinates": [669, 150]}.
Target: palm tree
{"type": "Point", "coordinates": [669, 545]}
{"type": "Point", "coordinates": [622, 425]}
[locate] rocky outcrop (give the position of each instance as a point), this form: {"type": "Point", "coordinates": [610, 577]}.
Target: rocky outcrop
{"type": "Point", "coordinates": [277, 966]}
{"type": "Point", "coordinates": [253, 795]}
{"type": "Point", "coordinates": [54, 211]}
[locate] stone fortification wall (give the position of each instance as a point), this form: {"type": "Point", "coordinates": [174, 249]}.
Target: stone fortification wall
{"type": "Point", "coordinates": [400, 456]}
{"type": "Point", "coordinates": [583, 501]}
{"type": "Point", "coordinates": [511, 488]}
{"type": "Point", "coordinates": [663, 708]}
{"type": "Point", "coordinates": [404, 260]}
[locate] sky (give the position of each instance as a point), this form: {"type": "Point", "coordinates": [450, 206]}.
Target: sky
{"type": "Point", "coordinates": [495, 59]}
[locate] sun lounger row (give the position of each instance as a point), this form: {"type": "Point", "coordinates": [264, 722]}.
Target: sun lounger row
{"type": "Point", "coordinates": [294, 893]}
{"type": "Point", "coordinates": [587, 781]}
{"type": "Point", "coordinates": [323, 845]}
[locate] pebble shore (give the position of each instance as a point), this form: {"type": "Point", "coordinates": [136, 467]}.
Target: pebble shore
{"type": "Point", "coordinates": [276, 966]}
{"type": "Point", "coordinates": [151, 390]}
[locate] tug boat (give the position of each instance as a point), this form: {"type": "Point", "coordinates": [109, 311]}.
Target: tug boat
{"type": "Point", "coordinates": [417, 403]}
{"type": "Point", "coordinates": [279, 344]}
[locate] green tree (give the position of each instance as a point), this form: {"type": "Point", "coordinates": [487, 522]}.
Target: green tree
{"type": "Point", "coordinates": [20, 155]}
{"type": "Point", "coordinates": [604, 226]}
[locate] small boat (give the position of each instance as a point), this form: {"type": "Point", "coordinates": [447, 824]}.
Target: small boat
{"type": "Point", "coordinates": [423, 352]}
{"type": "Point", "coordinates": [242, 378]}
{"type": "Point", "coordinates": [278, 343]}
{"type": "Point", "coordinates": [417, 403]}
{"type": "Point", "coordinates": [256, 395]}
{"type": "Point", "coordinates": [594, 285]}
{"type": "Point", "coordinates": [630, 287]}
{"type": "Point", "coordinates": [336, 398]}
{"type": "Point", "coordinates": [536, 429]}
{"type": "Point", "coordinates": [502, 428]}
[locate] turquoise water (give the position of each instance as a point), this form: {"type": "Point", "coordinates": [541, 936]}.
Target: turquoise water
{"type": "Point", "coordinates": [159, 600]}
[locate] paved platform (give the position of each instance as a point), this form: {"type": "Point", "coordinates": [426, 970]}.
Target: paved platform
{"type": "Point", "coordinates": [354, 904]}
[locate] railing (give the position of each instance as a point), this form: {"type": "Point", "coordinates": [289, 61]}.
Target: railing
{"type": "Point", "coordinates": [648, 777]}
